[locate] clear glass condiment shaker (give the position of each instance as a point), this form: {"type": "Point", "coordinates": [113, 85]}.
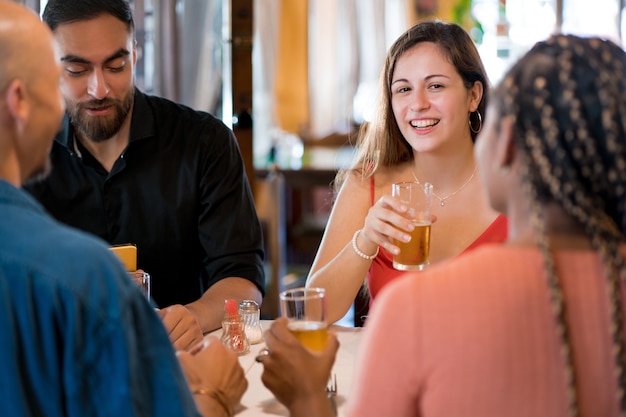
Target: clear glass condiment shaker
{"type": "Point", "coordinates": [233, 330]}
{"type": "Point", "coordinates": [250, 315]}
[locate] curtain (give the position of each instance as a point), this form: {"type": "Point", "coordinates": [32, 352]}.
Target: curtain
{"type": "Point", "coordinates": [264, 54]}
{"type": "Point", "coordinates": [187, 52]}
{"type": "Point", "coordinates": [333, 65]}
{"type": "Point", "coordinates": [348, 41]}
{"type": "Point", "coordinates": [200, 81]}
{"type": "Point", "coordinates": [166, 54]}
{"type": "Point", "coordinates": [380, 23]}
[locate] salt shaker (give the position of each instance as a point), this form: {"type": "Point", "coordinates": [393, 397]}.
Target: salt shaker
{"type": "Point", "coordinates": [250, 315]}
{"type": "Point", "coordinates": [233, 330]}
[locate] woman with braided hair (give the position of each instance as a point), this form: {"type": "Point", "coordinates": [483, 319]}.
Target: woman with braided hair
{"type": "Point", "coordinates": [533, 327]}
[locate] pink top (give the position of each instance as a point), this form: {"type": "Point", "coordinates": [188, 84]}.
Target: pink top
{"type": "Point", "coordinates": [381, 271]}
{"type": "Point", "coordinates": [476, 336]}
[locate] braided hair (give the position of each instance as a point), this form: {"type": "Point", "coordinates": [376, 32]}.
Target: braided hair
{"type": "Point", "coordinates": [567, 99]}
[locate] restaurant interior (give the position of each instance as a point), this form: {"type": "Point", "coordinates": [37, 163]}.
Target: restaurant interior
{"type": "Point", "coordinates": [295, 79]}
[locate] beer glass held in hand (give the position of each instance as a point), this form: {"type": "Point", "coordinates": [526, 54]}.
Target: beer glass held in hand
{"type": "Point", "coordinates": [414, 255]}
{"type": "Point", "coordinates": [305, 308]}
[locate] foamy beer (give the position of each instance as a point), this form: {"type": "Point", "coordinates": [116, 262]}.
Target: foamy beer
{"type": "Point", "coordinates": [415, 254]}
{"type": "Point", "coordinates": [305, 308]}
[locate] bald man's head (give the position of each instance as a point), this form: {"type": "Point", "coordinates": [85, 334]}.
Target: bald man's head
{"type": "Point", "coordinates": [31, 106]}
{"type": "Point", "coordinates": [21, 37]}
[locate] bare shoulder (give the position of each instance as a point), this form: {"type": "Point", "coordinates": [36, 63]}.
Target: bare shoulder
{"type": "Point", "coordinates": [354, 188]}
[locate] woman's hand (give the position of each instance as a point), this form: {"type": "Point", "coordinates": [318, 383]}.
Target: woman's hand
{"type": "Point", "coordinates": [215, 377]}
{"type": "Point", "coordinates": [385, 221]}
{"type": "Point", "coordinates": [296, 375]}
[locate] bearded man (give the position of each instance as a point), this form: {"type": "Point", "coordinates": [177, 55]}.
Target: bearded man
{"type": "Point", "coordinates": [139, 169]}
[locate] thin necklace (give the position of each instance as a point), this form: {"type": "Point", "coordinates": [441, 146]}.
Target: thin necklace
{"type": "Point", "coordinates": [442, 200]}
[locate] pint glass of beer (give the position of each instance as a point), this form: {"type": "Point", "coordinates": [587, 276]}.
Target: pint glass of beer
{"type": "Point", "coordinates": [305, 308]}
{"type": "Point", "coordinates": [414, 254]}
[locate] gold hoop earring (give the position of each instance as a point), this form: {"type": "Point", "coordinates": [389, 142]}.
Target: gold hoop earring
{"type": "Point", "coordinates": [480, 123]}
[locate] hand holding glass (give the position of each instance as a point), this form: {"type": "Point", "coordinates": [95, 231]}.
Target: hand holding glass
{"type": "Point", "coordinates": [415, 254]}
{"type": "Point", "coordinates": [305, 308]}
{"type": "Point", "coordinates": [142, 279]}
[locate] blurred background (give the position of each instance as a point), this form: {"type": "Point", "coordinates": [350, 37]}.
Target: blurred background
{"type": "Point", "coordinates": [315, 63]}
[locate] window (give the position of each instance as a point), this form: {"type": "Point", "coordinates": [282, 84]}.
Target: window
{"type": "Point", "coordinates": [511, 27]}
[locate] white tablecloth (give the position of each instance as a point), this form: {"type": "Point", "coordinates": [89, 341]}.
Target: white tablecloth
{"type": "Point", "coordinates": [259, 401]}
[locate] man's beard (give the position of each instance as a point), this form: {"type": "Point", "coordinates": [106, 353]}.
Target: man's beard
{"type": "Point", "coordinates": [99, 128]}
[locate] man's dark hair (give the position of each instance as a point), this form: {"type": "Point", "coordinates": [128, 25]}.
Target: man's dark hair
{"type": "Point", "coordinates": [58, 12]}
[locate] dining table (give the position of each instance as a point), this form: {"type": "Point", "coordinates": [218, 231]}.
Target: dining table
{"type": "Point", "coordinates": [258, 401]}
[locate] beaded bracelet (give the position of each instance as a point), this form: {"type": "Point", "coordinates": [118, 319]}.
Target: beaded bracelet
{"type": "Point", "coordinates": [217, 395]}
{"type": "Point", "coordinates": [358, 251]}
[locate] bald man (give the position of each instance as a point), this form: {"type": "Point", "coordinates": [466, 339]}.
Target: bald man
{"type": "Point", "coordinates": [78, 337]}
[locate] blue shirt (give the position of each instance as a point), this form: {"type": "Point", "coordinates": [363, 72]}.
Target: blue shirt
{"type": "Point", "coordinates": [77, 337]}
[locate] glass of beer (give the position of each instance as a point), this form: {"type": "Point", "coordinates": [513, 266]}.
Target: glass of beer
{"type": "Point", "coordinates": [414, 255]}
{"type": "Point", "coordinates": [305, 308]}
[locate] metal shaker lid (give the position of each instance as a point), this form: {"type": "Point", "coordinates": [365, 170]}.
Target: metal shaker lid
{"type": "Point", "coordinates": [248, 306]}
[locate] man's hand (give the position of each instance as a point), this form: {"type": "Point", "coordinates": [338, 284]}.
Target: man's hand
{"type": "Point", "coordinates": [181, 326]}
{"type": "Point", "coordinates": [215, 377]}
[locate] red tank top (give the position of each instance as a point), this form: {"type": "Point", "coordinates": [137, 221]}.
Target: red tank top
{"type": "Point", "coordinates": [381, 271]}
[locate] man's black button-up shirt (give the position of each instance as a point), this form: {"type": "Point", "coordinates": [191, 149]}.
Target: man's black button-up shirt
{"type": "Point", "coordinates": [178, 191]}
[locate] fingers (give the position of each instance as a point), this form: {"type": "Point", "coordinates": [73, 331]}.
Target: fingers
{"type": "Point", "coordinates": [206, 343]}
{"type": "Point", "coordinates": [279, 338]}
{"type": "Point", "coordinates": [279, 330]}
{"type": "Point", "coordinates": [137, 275]}
{"type": "Point", "coordinates": [211, 343]}
{"type": "Point", "coordinates": [332, 346]}
{"type": "Point", "coordinates": [198, 347]}
{"type": "Point", "coordinates": [330, 351]}
{"type": "Point", "coordinates": [262, 354]}
{"type": "Point", "coordinates": [281, 342]}
{"type": "Point", "coordinates": [213, 367]}
{"type": "Point", "coordinates": [392, 211]}
{"type": "Point", "coordinates": [188, 340]}
{"type": "Point", "coordinates": [386, 223]}
{"type": "Point", "coordinates": [230, 378]}
{"type": "Point", "coordinates": [182, 327]}
{"type": "Point", "coordinates": [292, 372]}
